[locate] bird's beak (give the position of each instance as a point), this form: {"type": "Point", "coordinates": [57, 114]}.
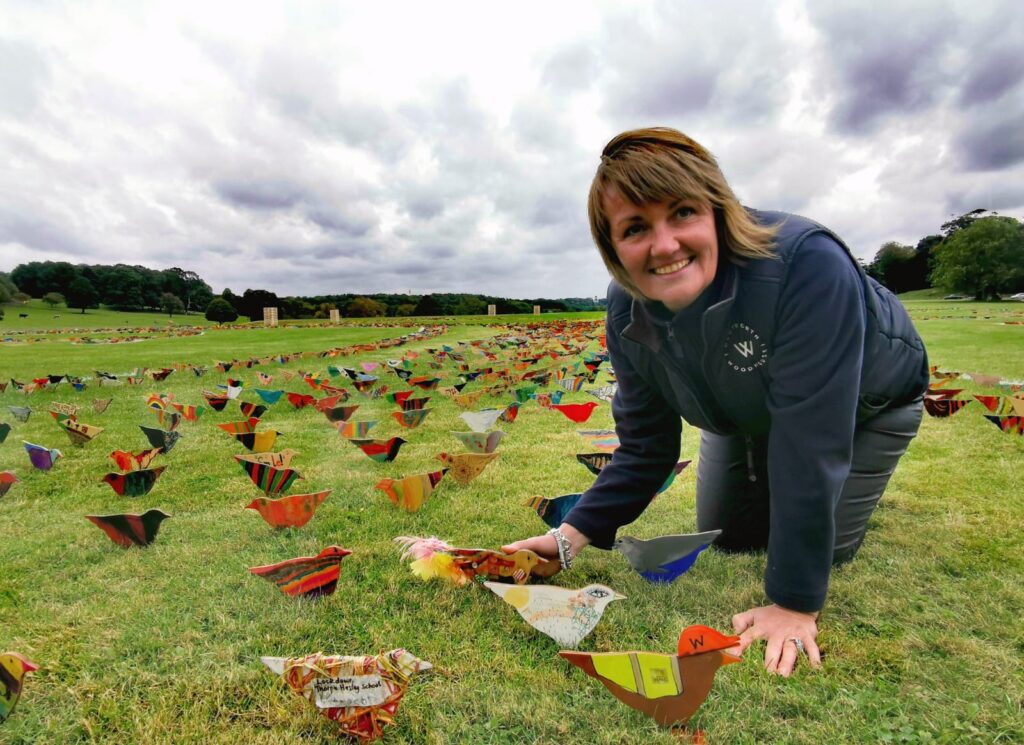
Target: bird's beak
{"type": "Point", "coordinates": [619, 597]}
{"type": "Point", "coordinates": [30, 667]}
{"type": "Point", "coordinates": [731, 655]}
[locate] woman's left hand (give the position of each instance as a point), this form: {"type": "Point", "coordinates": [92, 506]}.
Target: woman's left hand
{"type": "Point", "coordinates": [779, 626]}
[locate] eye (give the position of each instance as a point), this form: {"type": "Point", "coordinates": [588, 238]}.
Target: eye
{"type": "Point", "coordinates": [597, 593]}
{"type": "Point", "coordinates": [632, 229]}
{"type": "Point", "coordinates": [685, 211]}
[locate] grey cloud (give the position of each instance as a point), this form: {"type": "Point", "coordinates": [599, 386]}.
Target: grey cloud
{"type": "Point", "coordinates": [993, 139]}
{"type": "Point", "coordinates": [997, 73]}
{"type": "Point", "coordinates": [570, 69]}
{"type": "Point", "coordinates": [259, 194]}
{"type": "Point", "coordinates": [23, 74]}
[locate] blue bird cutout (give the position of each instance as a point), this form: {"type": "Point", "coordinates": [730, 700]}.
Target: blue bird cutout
{"type": "Point", "coordinates": [553, 511]}
{"type": "Point", "coordinates": [666, 558]}
{"type": "Point", "coordinates": [269, 397]}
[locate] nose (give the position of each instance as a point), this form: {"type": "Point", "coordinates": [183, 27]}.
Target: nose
{"type": "Point", "coordinates": [663, 238]}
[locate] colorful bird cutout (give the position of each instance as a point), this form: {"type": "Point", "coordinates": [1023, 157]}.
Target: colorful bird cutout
{"type": "Point", "coordinates": [79, 432]}
{"type": "Point", "coordinates": [360, 693]}
{"type": "Point", "coordinates": [595, 462]}
{"type": "Point", "coordinates": [13, 668]}
{"type": "Point", "coordinates": [432, 557]}
{"type": "Point", "coordinates": [1008, 424]}
{"type": "Point", "coordinates": [189, 412]}
{"type": "Point", "coordinates": [288, 512]}
{"type": "Point", "coordinates": [41, 457]}
{"type": "Point", "coordinates": [340, 413]}
{"type": "Point", "coordinates": [604, 440]}
{"type": "Point", "coordinates": [567, 616]}
{"type": "Point", "coordinates": [99, 405]}
{"type": "Point", "coordinates": [353, 430]}
{"type": "Point", "coordinates": [480, 421]}
{"type": "Point", "coordinates": [510, 413]}
{"type": "Point", "coordinates": [134, 483]}
{"type": "Point", "coordinates": [943, 407]}
{"type": "Point", "coordinates": [665, 558]}
{"type": "Point", "coordinates": [258, 442]}
{"type": "Point", "coordinates": [128, 461]}
{"type": "Point", "coordinates": [21, 413]}
{"type": "Point", "coordinates": [216, 401]}
{"type": "Point", "coordinates": [269, 397]}
{"type": "Point", "coordinates": [252, 410]}
{"type": "Point", "coordinates": [578, 413]}
{"type": "Point", "coordinates": [160, 438]}
{"type": "Point", "coordinates": [234, 428]}
{"type": "Point", "coordinates": [382, 451]}
{"type": "Point", "coordinates": [410, 419]}
{"type": "Point", "coordinates": [282, 459]}
{"type": "Point", "coordinates": [553, 511]}
{"type": "Point", "coordinates": [306, 576]}
{"type": "Point", "coordinates": [271, 479]}
{"type": "Point", "coordinates": [7, 480]}
{"type": "Point", "coordinates": [669, 688]}
{"type": "Point", "coordinates": [301, 400]}
{"type": "Point", "coordinates": [5, 429]}
{"type": "Point", "coordinates": [130, 530]}
{"type": "Point", "coordinates": [480, 442]}
{"type": "Point", "coordinates": [464, 467]}
{"type": "Point", "coordinates": [1001, 405]}
{"type": "Point", "coordinates": [414, 404]}
{"type": "Point", "coordinates": [411, 492]}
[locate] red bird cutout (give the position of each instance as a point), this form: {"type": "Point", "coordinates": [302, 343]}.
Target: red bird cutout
{"type": "Point", "coordinates": [130, 530]}
{"type": "Point", "coordinates": [300, 400]}
{"type": "Point", "coordinates": [308, 576]}
{"type": "Point", "coordinates": [134, 483]}
{"type": "Point", "coordinates": [382, 451]}
{"type": "Point", "coordinates": [288, 512]}
{"type": "Point", "coordinates": [578, 413]}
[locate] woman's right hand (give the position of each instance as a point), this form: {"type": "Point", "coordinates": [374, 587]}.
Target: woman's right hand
{"type": "Point", "coordinates": [545, 545]}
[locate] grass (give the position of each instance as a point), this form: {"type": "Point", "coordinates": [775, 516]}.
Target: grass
{"type": "Point", "coordinates": [922, 631]}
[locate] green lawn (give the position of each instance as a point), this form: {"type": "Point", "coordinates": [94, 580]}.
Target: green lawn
{"type": "Point", "coordinates": [922, 632]}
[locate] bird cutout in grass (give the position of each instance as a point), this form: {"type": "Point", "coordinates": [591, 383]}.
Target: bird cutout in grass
{"type": "Point", "coordinates": [340, 413]}
{"type": "Point", "coordinates": [161, 375]}
{"type": "Point", "coordinates": [554, 509]}
{"type": "Point", "coordinates": [306, 576]}
{"type": "Point", "coordinates": [382, 451]}
{"type": "Point", "coordinates": [263, 379]}
{"type": "Point", "coordinates": [398, 397]}
{"type": "Point", "coordinates": [42, 458]}
{"type": "Point", "coordinates": [234, 428]}
{"type": "Point", "coordinates": [1003, 405]}
{"type": "Point", "coordinates": [364, 384]}
{"type": "Point", "coordinates": [480, 442]}
{"type": "Point", "coordinates": [411, 492]}
{"type": "Point", "coordinates": [467, 400]}
{"type": "Point", "coordinates": [78, 384]}
{"type": "Point", "coordinates": [258, 442]}
{"type": "Point", "coordinates": [21, 413]}
{"type": "Point", "coordinates": [169, 419]}
{"type": "Point", "coordinates": [160, 438]}
{"type": "Point", "coordinates": [369, 367]}
{"type": "Point", "coordinates": [13, 668]}
{"type": "Point", "coordinates": [99, 405]}
{"type": "Point", "coordinates": [68, 410]}
{"type": "Point", "coordinates": [353, 430]}
{"type": "Point", "coordinates": [595, 462]}
{"type": "Point", "coordinates": [480, 421]}
{"type": "Point", "coordinates": [251, 409]}
{"type": "Point", "coordinates": [270, 479]}
{"type": "Point", "coordinates": [300, 400]}
{"type": "Point", "coordinates": [79, 432]}
{"type": "Point", "coordinates": [360, 693]}
{"type": "Point", "coordinates": [547, 400]}
{"type": "Point", "coordinates": [669, 688]}
{"type": "Point", "coordinates": [510, 413]}
{"type": "Point", "coordinates": [524, 393]}
{"type": "Point", "coordinates": [282, 459]}
{"type": "Point", "coordinates": [424, 382]}
{"type": "Point", "coordinates": [130, 530]}
{"type": "Point", "coordinates": [133, 483]}
{"type": "Point", "coordinates": [1008, 424]}
{"type": "Point", "coordinates": [433, 558]}
{"type": "Point", "coordinates": [415, 404]}
{"type": "Point", "coordinates": [216, 401]}
{"type": "Point", "coordinates": [329, 402]}
{"type": "Point", "coordinates": [464, 467]}
{"type": "Point", "coordinates": [943, 407]}
{"type": "Point", "coordinates": [667, 557]}
{"type": "Point", "coordinates": [128, 461]}
{"type": "Point", "coordinates": [269, 397]}
{"type": "Point", "coordinates": [410, 419]}
{"type": "Point", "coordinates": [189, 412]}
{"type": "Point", "coordinates": [333, 390]}
{"type": "Point", "coordinates": [605, 392]}
{"type": "Point", "coordinates": [578, 413]}
{"type": "Point", "coordinates": [567, 616]}
{"type": "Point", "coordinates": [942, 393]}
{"type": "Point", "coordinates": [7, 480]}
{"type": "Point", "coordinates": [5, 429]}
{"type": "Point", "coordinates": [604, 440]}
{"type": "Point", "coordinates": [292, 511]}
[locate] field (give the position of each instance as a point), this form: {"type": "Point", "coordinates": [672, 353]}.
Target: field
{"type": "Point", "coordinates": [161, 645]}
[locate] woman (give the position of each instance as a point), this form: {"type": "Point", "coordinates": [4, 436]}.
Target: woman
{"type": "Point", "coordinates": [804, 376]}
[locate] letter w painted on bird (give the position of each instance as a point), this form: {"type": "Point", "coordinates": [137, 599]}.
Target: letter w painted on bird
{"type": "Point", "coordinates": [746, 348]}
{"type": "Point", "coordinates": [698, 642]}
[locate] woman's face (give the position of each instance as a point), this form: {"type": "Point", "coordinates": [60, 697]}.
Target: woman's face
{"type": "Point", "coordinates": [669, 249]}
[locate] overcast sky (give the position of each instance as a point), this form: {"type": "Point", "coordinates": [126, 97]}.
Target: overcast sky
{"type": "Point", "coordinates": [307, 147]}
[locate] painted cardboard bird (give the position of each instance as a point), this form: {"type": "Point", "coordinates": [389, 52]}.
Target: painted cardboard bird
{"type": "Point", "coordinates": [5, 429]}
{"type": "Point", "coordinates": [130, 530]}
{"type": "Point", "coordinates": [353, 430]}
{"type": "Point", "coordinates": [382, 451]}
{"type": "Point", "coordinates": [340, 413]}
{"type": "Point", "coordinates": [258, 442]}
{"type": "Point", "coordinates": [307, 576]}
{"type": "Point", "coordinates": [133, 483]}
{"type": "Point", "coordinates": [480, 421]}
{"type": "Point", "coordinates": [21, 413]}
{"type": "Point", "coordinates": [216, 401]}
{"type": "Point", "coordinates": [160, 438]}
{"type": "Point", "coordinates": [252, 409]}
{"type": "Point", "coordinates": [129, 461]}
{"type": "Point", "coordinates": [42, 458]}
{"type": "Point", "coordinates": [464, 467]}
{"type": "Point", "coordinates": [432, 557]}
{"type": "Point", "coordinates": [79, 432]}
{"type": "Point", "coordinates": [412, 418]}
{"type": "Point", "coordinates": [288, 512]}
{"type": "Point", "coordinates": [669, 688]}
{"type": "Point", "coordinates": [480, 442]}
{"type": "Point", "coordinates": [411, 492]}
{"type": "Point", "coordinates": [7, 480]}
{"type": "Point", "coordinates": [271, 479]}
{"type": "Point", "coordinates": [667, 557]}
{"type": "Point", "coordinates": [13, 668]}
{"type": "Point", "coordinates": [578, 413]}
{"type": "Point", "coordinates": [553, 511]}
{"type": "Point", "coordinates": [360, 693]}
{"type": "Point", "coordinates": [567, 616]}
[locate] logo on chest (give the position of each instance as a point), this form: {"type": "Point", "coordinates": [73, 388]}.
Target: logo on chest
{"type": "Point", "coordinates": [744, 351]}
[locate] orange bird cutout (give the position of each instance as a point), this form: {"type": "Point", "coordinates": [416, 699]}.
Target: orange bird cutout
{"type": "Point", "coordinates": [306, 576]}
{"type": "Point", "coordinates": [288, 512]}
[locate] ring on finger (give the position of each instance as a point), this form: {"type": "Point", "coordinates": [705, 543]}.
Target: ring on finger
{"type": "Point", "coordinates": [799, 643]}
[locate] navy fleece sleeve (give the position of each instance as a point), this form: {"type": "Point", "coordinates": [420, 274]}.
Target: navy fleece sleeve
{"type": "Point", "coordinates": [648, 433]}
{"type": "Point", "coordinates": [814, 370]}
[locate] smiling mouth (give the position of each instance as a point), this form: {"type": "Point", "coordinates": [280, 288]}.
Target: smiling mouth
{"type": "Point", "coordinates": [670, 268]}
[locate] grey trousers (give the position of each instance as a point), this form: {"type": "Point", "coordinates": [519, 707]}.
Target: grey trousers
{"type": "Point", "coordinates": [732, 482]}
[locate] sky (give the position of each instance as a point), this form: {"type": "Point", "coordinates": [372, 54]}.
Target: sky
{"type": "Point", "coordinates": [328, 147]}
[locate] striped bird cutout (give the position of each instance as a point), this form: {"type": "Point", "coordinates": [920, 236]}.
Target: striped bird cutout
{"type": "Point", "coordinates": [130, 530]}
{"type": "Point", "coordinates": [306, 576]}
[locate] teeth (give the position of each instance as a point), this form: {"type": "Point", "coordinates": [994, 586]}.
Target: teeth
{"type": "Point", "coordinates": [672, 267]}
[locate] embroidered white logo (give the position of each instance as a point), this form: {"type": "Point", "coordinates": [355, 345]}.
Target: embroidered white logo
{"type": "Point", "coordinates": [744, 350]}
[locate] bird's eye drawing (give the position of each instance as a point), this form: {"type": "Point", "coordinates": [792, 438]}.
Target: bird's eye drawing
{"type": "Point", "coordinates": [597, 593]}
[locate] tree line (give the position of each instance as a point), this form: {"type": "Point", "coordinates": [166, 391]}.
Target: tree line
{"type": "Point", "coordinates": [979, 254]}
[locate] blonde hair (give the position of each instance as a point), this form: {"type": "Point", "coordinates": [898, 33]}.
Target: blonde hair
{"type": "Point", "coordinates": [658, 164]}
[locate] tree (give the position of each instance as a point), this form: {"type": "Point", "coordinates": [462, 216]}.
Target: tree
{"type": "Point", "coordinates": [982, 259]}
{"type": "Point", "coordinates": [405, 309]}
{"type": "Point", "coordinates": [81, 294]}
{"type": "Point", "coordinates": [220, 311]}
{"type": "Point", "coordinates": [53, 299]}
{"type": "Point", "coordinates": [21, 297]}
{"type": "Point", "coordinates": [428, 306]}
{"type": "Point", "coordinates": [121, 288]}
{"type": "Point", "coordinates": [470, 306]}
{"type": "Point", "coordinates": [364, 307]}
{"type": "Point", "coordinates": [171, 304]}
{"type": "Point", "coordinates": [7, 288]}
{"type": "Point", "coordinates": [323, 310]}
{"type": "Point", "coordinates": [253, 302]}
{"type": "Point", "coordinates": [890, 266]}
{"type": "Point", "coordinates": [961, 221]}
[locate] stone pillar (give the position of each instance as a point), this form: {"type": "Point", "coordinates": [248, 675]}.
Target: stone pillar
{"type": "Point", "coordinates": [270, 316]}
{"type": "Point", "coordinates": [492, 310]}
{"type": "Point", "coordinates": [335, 315]}
{"type": "Point", "coordinates": [536, 310]}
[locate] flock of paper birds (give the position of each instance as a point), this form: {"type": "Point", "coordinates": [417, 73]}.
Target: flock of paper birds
{"type": "Point", "coordinates": [362, 693]}
{"type": "Point", "coordinates": [1005, 409]}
